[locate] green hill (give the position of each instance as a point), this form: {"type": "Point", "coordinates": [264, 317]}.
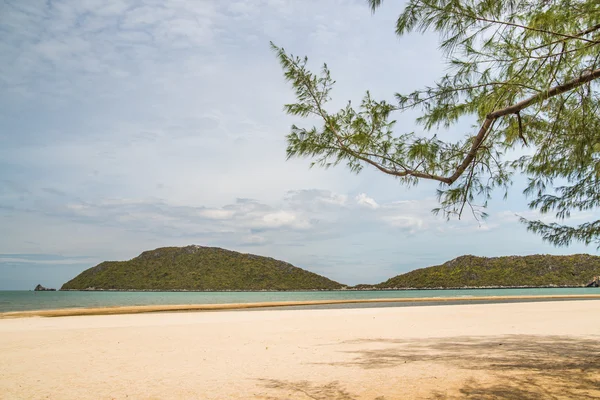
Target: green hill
{"type": "Point", "coordinates": [197, 268]}
{"type": "Point", "coordinates": [472, 271]}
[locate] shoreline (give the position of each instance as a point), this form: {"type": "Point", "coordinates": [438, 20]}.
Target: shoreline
{"type": "Point", "coordinates": [112, 310]}
{"type": "Point", "coordinates": [347, 289]}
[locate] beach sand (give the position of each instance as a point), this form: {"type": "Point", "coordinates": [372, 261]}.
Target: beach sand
{"type": "Point", "coordinates": [536, 350]}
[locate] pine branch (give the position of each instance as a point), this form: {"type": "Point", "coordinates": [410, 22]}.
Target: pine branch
{"type": "Point", "coordinates": [487, 123]}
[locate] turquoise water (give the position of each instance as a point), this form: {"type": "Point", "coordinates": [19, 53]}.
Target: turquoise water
{"type": "Point", "coordinates": [29, 300]}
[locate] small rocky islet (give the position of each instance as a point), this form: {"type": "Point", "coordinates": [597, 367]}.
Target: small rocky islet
{"type": "Point", "coordinates": [40, 288]}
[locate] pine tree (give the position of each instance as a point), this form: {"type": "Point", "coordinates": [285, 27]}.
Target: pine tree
{"type": "Point", "coordinates": [526, 70]}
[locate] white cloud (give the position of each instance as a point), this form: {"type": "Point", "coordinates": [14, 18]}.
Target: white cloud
{"type": "Point", "coordinates": [335, 199]}
{"type": "Point", "coordinates": [282, 219]}
{"type": "Point", "coordinates": [254, 239]}
{"type": "Point", "coordinates": [77, 207]}
{"type": "Point", "coordinates": [412, 224]}
{"type": "Point", "coordinates": [576, 217]}
{"type": "Point", "coordinates": [216, 213]}
{"type": "Point", "coordinates": [366, 201]}
{"type": "Point", "coordinates": [316, 200]}
{"type": "Point", "coordinates": [62, 261]}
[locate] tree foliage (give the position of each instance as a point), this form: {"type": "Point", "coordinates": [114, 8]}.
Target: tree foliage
{"type": "Point", "coordinates": [526, 70]}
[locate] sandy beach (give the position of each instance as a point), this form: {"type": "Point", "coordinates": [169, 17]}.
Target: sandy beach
{"type": "Point", "coordinates": [482, 351]}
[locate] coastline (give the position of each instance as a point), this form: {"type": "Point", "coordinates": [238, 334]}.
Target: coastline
{"type": "Point", "coordinates": [113, 310]}
{"type": "Point", "coordinates": [346, 289]}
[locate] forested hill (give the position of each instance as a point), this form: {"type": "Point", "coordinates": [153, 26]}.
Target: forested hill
{"type": "Point", "coordinates": [209, 268]}
{"type": "Point", "coordinates": [472, 271]}
{"type": "Point", "coordinates": [198, 268]}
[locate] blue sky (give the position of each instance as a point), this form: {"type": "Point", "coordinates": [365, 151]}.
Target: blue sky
{"type": "Point", "coordinates": [131, 125]}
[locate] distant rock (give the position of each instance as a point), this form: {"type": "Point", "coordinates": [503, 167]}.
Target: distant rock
{"type": "Point", "coordinates": [40, 288]}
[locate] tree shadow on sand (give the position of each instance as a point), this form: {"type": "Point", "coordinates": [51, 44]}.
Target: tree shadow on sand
{"type": "Point", "coordinates": [522, 367]}
{"type": "Point", "coordinates": [309, 390]}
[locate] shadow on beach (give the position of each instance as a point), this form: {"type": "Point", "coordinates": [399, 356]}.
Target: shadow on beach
{"type": "Point", "coordinates": [309, 390]}
{"type": "Point", "coordinates": [514, 367]}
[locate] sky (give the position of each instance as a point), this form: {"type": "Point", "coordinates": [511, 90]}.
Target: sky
{"type": "Point", "coordinates": [131, 125]}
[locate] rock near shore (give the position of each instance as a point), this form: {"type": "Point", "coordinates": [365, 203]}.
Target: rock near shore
{"type": "Point", "coordinates": [40, 288]}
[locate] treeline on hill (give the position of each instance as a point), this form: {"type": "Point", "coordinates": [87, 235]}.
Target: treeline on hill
{"type": "Point", "coordinates": [511, 271]}
{"type": "Point", "coordinates": [198, 268]}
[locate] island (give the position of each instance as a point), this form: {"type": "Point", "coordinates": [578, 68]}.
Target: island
{"type": "Point", "coordinates": [198, 268]}
{"type": "Point", "coordinates": [40, 288]}
{"type": "Point", "coordinates": [501, 272]}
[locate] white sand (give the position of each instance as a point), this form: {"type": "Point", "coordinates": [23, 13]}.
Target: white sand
{"type": "Point", "coordinates": [494, 351]}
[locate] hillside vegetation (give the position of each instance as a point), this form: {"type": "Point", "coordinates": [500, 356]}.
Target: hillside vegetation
{"type": "Point", "coordinates": [472, 271]}
{"type": "Point", "coordinates": [198, 268]}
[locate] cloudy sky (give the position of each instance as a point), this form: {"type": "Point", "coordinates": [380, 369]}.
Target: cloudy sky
{"type": "Point", "coordinates": [131, 125]}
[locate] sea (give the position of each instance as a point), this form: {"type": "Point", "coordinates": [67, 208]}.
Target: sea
{"type": "Point", "coordinates": [31, 300]}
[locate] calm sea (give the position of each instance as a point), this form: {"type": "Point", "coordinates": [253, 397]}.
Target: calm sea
{"type": "Point", "coordinates": [30, 300]}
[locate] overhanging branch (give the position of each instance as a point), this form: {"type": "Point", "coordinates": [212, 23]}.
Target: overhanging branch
{"type": "Point", "coordinates": [479, 138]}
{"type": "Point", "coordinates": [490, 118]}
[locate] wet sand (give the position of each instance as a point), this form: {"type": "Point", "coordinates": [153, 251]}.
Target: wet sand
{"type": "Point", "coordinates": [66, 312]}
{"type": "Point", "coordinates": [482, 351]}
